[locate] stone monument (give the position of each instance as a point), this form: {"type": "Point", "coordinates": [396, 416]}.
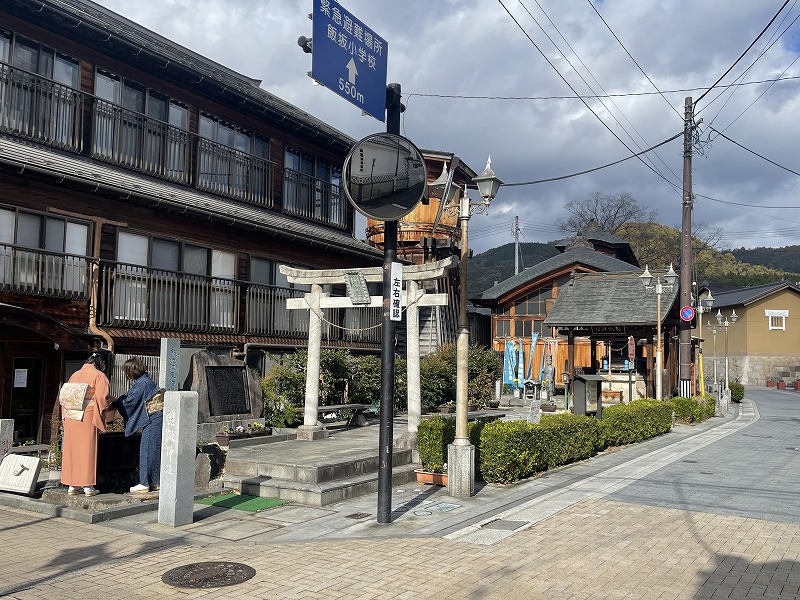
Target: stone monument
{"type": "Point", "coordinates": [178, 443]}
{"type": "Point", "coordinates": [6, 436]}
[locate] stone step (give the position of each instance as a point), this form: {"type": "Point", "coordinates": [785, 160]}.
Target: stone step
{"type": "Point", "coordinates": [355, 464]}
{"type": "Point", "coordinates": [317, 494]}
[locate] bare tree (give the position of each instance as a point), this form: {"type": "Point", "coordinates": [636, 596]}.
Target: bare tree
{"type": "Point", "coordinates": [605, 212]}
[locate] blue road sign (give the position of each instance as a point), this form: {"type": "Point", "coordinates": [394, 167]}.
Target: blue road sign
{"type": "Point", "coordinates": [687, 313]}
{"type": "Point", "coordinates": [349, 58]}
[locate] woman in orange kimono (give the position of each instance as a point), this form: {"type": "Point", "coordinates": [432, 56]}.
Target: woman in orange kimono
{"type": "Point", "coordinates": [79, 452]}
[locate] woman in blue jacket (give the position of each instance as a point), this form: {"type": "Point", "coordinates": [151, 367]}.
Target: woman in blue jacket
{"type": "Point", "coordinates": [138, 415]}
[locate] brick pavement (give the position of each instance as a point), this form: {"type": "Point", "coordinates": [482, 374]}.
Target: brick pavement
{"type": "Point", "coordinates": [632, 542]}
{"type": "Point", "coordinates": [594, 549]}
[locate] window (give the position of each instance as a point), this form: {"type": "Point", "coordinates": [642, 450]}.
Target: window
{"type": "Point", "coordinates": [312, 189]}
{"type": "Point", "coordinates": [171, 284]}
{"type": "Point", "coordinates": [37, 91]}
{"type": "Point", "coordinates": [777, 319]}
{"type": "Point", "coordinates": [535, 303]}
{"type": "Point", "coordinates": [43, 253]}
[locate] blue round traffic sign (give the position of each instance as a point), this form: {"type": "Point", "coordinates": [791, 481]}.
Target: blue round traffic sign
{"type": "Point", "coordinates": [687, 313]}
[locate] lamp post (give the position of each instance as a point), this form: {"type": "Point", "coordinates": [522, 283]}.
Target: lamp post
{"type": "Point", "coordinates": [669, 280]}
{"type": "Point", "coordinates": [713, 330]}
{"type": "Point", "coordinates": [461, 454]}
{"type": "Point", "coordinates": [726, 322]}
{"type": "Point", "coordinates": [703, 306]}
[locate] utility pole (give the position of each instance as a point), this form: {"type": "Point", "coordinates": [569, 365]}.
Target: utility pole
{"type": "Point", "coordinates": [516, 245]}
{"type": "Point", "coordinates": [685, 327]}
{"type": "Point", "coordinates": [386, 433]}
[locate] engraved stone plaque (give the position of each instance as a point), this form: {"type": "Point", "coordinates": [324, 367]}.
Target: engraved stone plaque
{"type": "Point", "coordinates": [227, 390]}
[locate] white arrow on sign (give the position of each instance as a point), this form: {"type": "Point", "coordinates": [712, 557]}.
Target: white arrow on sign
{"type": "Point", "coordinates": [352, 71]}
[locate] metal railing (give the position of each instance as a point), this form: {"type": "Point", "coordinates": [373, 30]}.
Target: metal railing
{"type": "Point", "coordinates": [145, 298]}
{"type": "Point", "coordinates": [229, 172]}
{"type": "Point", "coordinates": [310, 198]}
{"type": "Point", "coordinates": [142, 297]}
{"type": "Point", "coordinates": [40, 273]}
{"type": "Point", "coordinates": [40, 109]}
{"type": "Point", "coordinates": [133, 140]}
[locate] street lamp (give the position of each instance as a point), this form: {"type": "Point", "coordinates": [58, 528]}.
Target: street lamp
{"type": "Point", "coordinates": [703, 306]}
{"type": "Point", "coordinates": [713, 330]}
{"type": "Point", "coordinates": [669, 280]}
{"type": "Point", "coordinates": [726, 322]}
{"type": "Point", "coordinates": [461, 454]}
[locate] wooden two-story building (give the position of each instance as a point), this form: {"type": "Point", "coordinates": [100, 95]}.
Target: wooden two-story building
{"type": "Point", "coordinates": [148, 192]}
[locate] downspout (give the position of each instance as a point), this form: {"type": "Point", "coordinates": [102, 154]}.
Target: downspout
{"type": "Point", "coordinates": [93, 296]}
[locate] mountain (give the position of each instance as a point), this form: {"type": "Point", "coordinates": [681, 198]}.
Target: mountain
{"type": "Point", "coordinates": [657, 245]}
{"type": "Point", "coordinates": [497, 264]}
{"type": "Point", "coordinates": [784, 259]}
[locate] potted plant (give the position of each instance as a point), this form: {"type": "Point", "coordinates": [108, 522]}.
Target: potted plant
{"type": "Point", "coordinates": [433, 437]}
{"type": "Point", "coordinates": [447, 407]}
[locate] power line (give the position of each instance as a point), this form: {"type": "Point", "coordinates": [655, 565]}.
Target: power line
{"type": "Point", "coordinates": [589, 71]}
{"type": "Point", "coordinates": [633, 59]}
{"type": "Point", "coordinates": [769, 46]}
{"type": "Point", "coordinates": [772, 162]}
{"type": "Point", "coordinates": [519, 25]}
{"type": "Point", "coordinates": [611, 164]}
{"type": "Point", "coordinates": [763, 31]}
{"type": "Point", "coordinates": [595, 96]}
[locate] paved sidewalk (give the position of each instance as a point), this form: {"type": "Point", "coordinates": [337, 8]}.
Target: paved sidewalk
{"type": "Point", "coordinates": [595, 529]}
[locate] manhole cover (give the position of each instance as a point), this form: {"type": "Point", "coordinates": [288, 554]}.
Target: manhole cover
{"type": "Point", "coordinates": [208, 575]}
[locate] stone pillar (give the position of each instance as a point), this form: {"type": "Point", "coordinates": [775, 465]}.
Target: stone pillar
{"type": "Point", "coordinates": [178, 443]}
{"type": "Point", "coordinates": [169, 364]}
{"type": "Point", "coordinates": [412, 358]}
{"type": "Point", "coordinates": [6, 436]}
{"type": "Point", "coordinates": [309, 430]}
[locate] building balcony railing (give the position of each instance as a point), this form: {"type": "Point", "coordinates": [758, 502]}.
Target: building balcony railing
{"type": "Point", "coordinates": [138, 297]}
{"type": "Point", "coordinates": [313, 199]}
{"type": "Point", "coordinates": [229, 172]}
{"type": "Point", "coordinates": [138, 142]}
{"type": "Point", "coordinates": [39, 109]}
{"type": "Point", "coordinates": [39, 273]}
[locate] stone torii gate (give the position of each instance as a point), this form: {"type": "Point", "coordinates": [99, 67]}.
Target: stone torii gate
{"type": "Point", "coordinates": [412, 299]}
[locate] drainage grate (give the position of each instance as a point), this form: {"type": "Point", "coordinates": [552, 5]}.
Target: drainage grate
{"type": "Point", "coordinates": [358, 516]}
{"type": "Point", "coordinates": [208, 575]}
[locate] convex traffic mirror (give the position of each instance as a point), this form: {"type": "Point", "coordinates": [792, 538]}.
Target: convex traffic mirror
{"type": "Point", "coordinates": [384, 176]}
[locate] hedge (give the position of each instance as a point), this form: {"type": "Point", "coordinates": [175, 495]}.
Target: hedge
{"type": "Point", "coordinates": [630, 423]}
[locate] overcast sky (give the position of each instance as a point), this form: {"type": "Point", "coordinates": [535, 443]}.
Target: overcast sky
{"type": "Point", "coordinates": [457, 59]}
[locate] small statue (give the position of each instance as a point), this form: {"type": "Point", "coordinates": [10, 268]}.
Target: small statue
{"type": "Point", "coordinates": [548, 376]}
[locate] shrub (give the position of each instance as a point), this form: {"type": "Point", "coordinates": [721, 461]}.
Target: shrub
{"type": "Point", "coordinates": [689, 410]}
{"type": "Point", "coordinates": [507, 451]}
{"type": "Point", "coordinates": [634, 422]}
{"type": "Point", "coordinates": [737, 391]}
{"type": "Point", "coordinates": [364, 372]}
{"type": "Point", "coordinates": [565, 438]}
{"type": "Point", "coordinates": [438, 374]}
{"type": "Point", "coordinates": [433, 437]}
{"type": "Point", "coordinates": [284, 395]}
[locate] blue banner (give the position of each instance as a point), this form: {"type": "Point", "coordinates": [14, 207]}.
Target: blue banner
{"type": "Point", "coordinates": [510, 359]}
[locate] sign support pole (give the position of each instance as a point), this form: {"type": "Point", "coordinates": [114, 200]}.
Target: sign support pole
{"type": "Point", "coordinates": [386, 434]}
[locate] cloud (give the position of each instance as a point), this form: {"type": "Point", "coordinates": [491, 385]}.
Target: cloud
{"type": "Point", "coordinates": [474, 48]}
